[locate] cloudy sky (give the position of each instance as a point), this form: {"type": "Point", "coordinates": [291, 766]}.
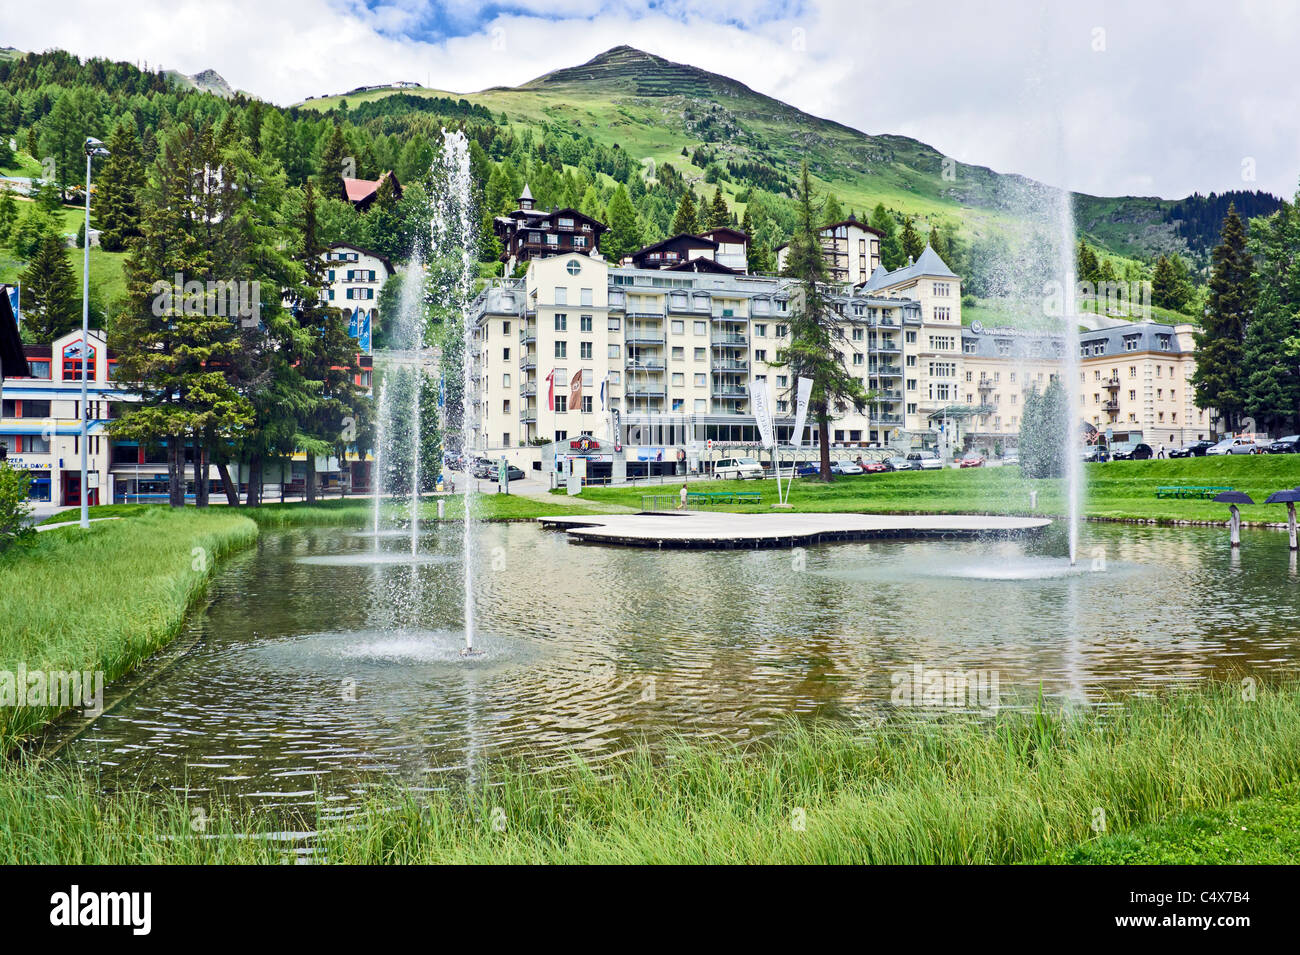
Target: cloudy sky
{"type": "Point", "coordinates": [1111, 97]}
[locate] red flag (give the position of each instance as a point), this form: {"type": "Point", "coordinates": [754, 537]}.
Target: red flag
{"type": "Point", "coordinates": [550, 392]}
{"type": "Point", "coordinates": [575, 391]}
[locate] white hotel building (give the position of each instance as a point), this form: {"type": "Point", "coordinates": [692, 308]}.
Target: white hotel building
{"type": "Point", "coordinates": [667, 360]}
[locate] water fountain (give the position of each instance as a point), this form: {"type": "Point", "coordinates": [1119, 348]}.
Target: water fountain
{"type": "Point", "coordinates": [376, 469]}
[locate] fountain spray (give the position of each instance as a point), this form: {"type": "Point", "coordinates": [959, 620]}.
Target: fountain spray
{"type": "Point", "coordinates": [376, 469]}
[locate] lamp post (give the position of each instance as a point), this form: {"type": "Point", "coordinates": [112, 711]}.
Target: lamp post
{"type": "Point", "coordinates": [93, 148]}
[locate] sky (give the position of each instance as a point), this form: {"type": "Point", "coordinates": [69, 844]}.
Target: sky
{"type": "Point", "coordinates": [1110, 97]}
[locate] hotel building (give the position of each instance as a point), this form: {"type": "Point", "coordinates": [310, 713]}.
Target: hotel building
{"type": "Point", "coordinates": [662, 362]}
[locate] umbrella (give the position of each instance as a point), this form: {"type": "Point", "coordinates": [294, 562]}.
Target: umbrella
{"type": "Point", "coordinates": [1288, 498]}
{"type": "Point", "coordinates": [1233, 497]}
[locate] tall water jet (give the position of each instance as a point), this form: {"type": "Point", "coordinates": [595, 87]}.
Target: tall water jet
{"type": "Point", "coordinates": [1070, 369]}
{"type": "Point", "coordinates": [376, 467]}
{"type": "Point", "coordinates": [454, 244]}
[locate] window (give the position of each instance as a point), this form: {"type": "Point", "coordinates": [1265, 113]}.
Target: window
{"type": "Point", "coordinates": [942, 289]}
{"type": "Point", "coordinates": [584, 350]}
{"type": "Point", "coordinates": [857, 358]}
{"type": "Point", "coordinates": [679, 353]}
{"type": "Point", "coordinates": [701, 405]}
{"type": "Point", "coordinates": [910, 337]}
{"type": "Point", "coordinates": [584, 323]}
{"type": "Point", "coordinates": [679, 379]}
{"type": "Point", "coordinates": [941, 343]}
{"type": "Point", "coordinates": [561, 436]}
{"type": "Point", "coordinates": [613, 324]}
{"type": "Point", "coordinates": [613, 351]}
{"type": "Point", "coordinates": [561, 322]}
{"type": "Point", "coordinates": [584, 295]}
{"type": "Point", "coordinates": [505, 354]}
{"type": "Point", "coordinates": [39, 368]}
{"type": "Point", "coordinates": [699, 354]}
{"type": "Point", "coordinates": [701, 328]}
{"type": "Point", "coordinates": [561, 349]}
{"type": "Point", "coordinates": [678, 403]}
{"type": "Point", "coordinates": [505, 406]}
{"type": "Point", "coordinates": [561, 403]}
{"type": "Point", "coordinates": [586, 404]}
{"type": "Point", "coordinates": [678, 326]}
{"type": "Point", "coordinates": [505, 381]}
{"type": "Point", "coordinates": [782, 331]}
{"type": "Point", "coordinates": [943, 314]}
{"type": "Point", "coordinates": [561, 296]}
{"type": "Point", "coordinates": [760, 331]}
{"type": "Point", "coordinates": [760, 354]}
{"type": "Point", "coordinates": [701, 380]}
{"type": "Point", "coordinates": [783, 381]}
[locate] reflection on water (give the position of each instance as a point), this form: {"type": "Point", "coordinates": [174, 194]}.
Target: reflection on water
{"type": "Point", "coordinates": [314, 670]}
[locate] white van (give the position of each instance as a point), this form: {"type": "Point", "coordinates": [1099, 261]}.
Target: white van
{"type": "Point", "coordinates": [738, 469]}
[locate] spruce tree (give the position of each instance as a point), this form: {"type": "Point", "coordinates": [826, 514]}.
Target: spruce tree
{"type": "Point", "coordinates": [51, 293]}
{"type": "Point", "coordinates": [1273, 372]}
{"type": "Point", "coordinates": [892, 255]}
{"type": "Point", "coordinates": [816, 329]}
{"type": "Point", "coordinates": [719, 216]}
{"type": "Point", "coordinates": [685, 222]}
{"type": "Point", "coordinates": [333, 156]}
{"type": "Point", "coordinates": [1220, 376]}
{"type": "Point", "coordinates": [624, 236]}
{"type": "Point", "coordinates": [117, 204]}
{"type": "Point", "coordinates": [911, 240]}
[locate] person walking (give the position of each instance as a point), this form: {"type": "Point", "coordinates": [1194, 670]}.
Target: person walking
{"type": "Point", "coordinates": [682, 498]}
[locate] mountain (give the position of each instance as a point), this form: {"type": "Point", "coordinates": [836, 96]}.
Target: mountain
{"type": "Point", "coordinates": [205, 81]}
{"type": "Point", "coordinates": [654, 108]}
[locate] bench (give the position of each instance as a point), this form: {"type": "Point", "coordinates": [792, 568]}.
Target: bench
{"type": "Point", "coordinates": [1190, 491]}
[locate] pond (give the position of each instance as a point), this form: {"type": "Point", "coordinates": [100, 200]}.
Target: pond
{"type": "Point", "coordinates": [320, 667]}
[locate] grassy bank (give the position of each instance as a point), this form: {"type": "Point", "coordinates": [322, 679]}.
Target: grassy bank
{"type": "Point", "coordinates": [357, 512]}
{"type": "Point", "coordinates": [104, 598]}
{"type": "Point", "coordinates": [1024, 787]}
{"type": "Point", "coordinates": [1117, 490]}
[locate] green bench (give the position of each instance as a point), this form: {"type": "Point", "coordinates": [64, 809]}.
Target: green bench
{"type": "Point", "coordinates": [708, 498]}
{"type": "Point", "coordinates": [1190, 491]}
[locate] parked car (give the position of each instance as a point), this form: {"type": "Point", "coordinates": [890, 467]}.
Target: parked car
{"type": "Point", "coordinates": [843, 468]}
{"type": "Point", "coordinates": [739, 469]}
{"type": "Point", "coordinates": [808, 469]}
{"type": "Point", "coordinates": [1288, 445]}
{"type": "Point", "coordinates": [874, 467]}
{"type": "Point", "coordinates": [484, 469]}
{"type": "Point", "coordinates": [1096, 454]}
{"type": "Point", "coordinates": [1012, 457]}
{"type": "Point", "coordinates": [899, 463]}
{"type": "Point", "coordinates": [1196, 449]}
{"type": "Point", "coordinates": [1131, 451]}
{"type": "Point", "coordinates": [925, 460]}
{"type": "Point", "coordinates": [513, 473]}
{"type": "Point", "coordinates": [971, 459]}
{"type": "Point", "coordinates": [1233, 446]}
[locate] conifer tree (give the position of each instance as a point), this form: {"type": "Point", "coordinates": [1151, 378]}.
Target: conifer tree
{"type": "Point", "coordinates": [816, 328]}
{"type": "Point", "coordinates": [685, 222]}
{"type": "Point", "coordinates": [51, 293]}
{"type": "Point", "coordinates": [1273, 371]}
{"type": "Point", "coordinates": [892, 255]}
{"type": "Point", "coordinates": [624, 235]}
{"type": "Point", "coordinates": [117, 204]}
{"type": "Point", "coordinates": [719, 215]}
{"type": "Point", "coordinates": [333, 156]}
{"type": "Point", "coordinates": [1220, 377]}
{"type": "Point", "coordinates": [911, 240]}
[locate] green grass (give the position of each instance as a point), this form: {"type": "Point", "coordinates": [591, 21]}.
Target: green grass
{"type": "Point", "coordinates": [1119, 490]}
{"type": "Point", "coordinates": [1263, 830]}
{"type": "Point", "coordinates": [105, 598]}
{"type": "Point", "coordinates": [1025, 786]}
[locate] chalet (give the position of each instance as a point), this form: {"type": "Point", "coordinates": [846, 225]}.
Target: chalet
{"type": "Point", "coordinates": [851, 250]}
{"type": "Point", "coordinates": [363, 192]}
{"type": "Point", "coordinates": [529, 233]}
{"type": "Point", "coordinates": [674, 252]}
{"type": "Point", "coordinates": [733, 248]}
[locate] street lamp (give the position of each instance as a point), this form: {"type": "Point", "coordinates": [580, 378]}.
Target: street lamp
{"type": "Point", "coordinates": [93, 148]}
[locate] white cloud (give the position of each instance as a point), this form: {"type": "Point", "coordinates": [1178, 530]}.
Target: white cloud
{"type": "Point", "coordinates": [1173, 102]}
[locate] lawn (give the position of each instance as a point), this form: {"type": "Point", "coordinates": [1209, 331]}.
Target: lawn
{"type": "Point", "coordinates": [1119, 490]}
{"type": "Point", "coordinates": [105, 598]}
{"type": "Point", "coordinates": [1165, 774]}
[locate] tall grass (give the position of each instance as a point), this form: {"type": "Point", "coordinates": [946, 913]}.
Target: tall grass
{"type": "Point", "coordinates": [947, 791]}
{"type": "Point", "coordinates": [105, 598]}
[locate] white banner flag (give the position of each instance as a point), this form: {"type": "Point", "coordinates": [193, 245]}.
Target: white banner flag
{"type": "Point", "coordinates": [801, 409]}
{"type": "Point", "coordinates": [763, 414]}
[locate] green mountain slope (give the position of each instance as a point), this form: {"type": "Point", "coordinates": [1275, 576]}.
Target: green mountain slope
{"type": "Point", "coordinates": [653, 108]}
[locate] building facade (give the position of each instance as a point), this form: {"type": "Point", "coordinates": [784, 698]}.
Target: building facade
{"type": "Point", "coordinates": [850, 248]}
{"type": "Point", "coordinates": [355, 277]}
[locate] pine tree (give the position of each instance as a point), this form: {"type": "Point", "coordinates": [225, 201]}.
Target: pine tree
{"type": "Point", "coordinates": [1273, 381]}
{"type": "Point", "coordinates": [1169, 286]}
{"type": "Point", "coordinates": [938, 243]}
{"type": "Point", "coordinates": [816, 328]}
{"type": "Point", "coordinates": [685, 222]}
{"type": "Point", "coordinates": [117, 204]}
{"type": "Point", "coordinates": [719, 216]}
{"type": "Point", "coordinates": [911, 240]}
{"type": "Point", "coordinates": [1086, 265]}
{"type": "Point", "coordinates": [832, 211]}
{"type": "Point", "coordinates": [624, 236]}
{"type": "Point", "coordinates": [892, 255]}
{"type": "Point", "coordinates": [51, 293]}
{"type": "Point", "coordinates": [1044, 420]}
{"type": "Point", "coordinates": [1220, 376]}
{"type": "Point", "coordinates": [334, 155]}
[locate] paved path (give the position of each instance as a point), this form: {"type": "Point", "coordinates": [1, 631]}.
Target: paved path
{"type": "Point", "coordinates": [723, 530]}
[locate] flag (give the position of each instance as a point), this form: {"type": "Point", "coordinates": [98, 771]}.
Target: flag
{"type": "Point", "coordinates": [352, 321]}
{"type": "Point", "coordinates": [603, 382]}
{"type": "Point", "coordinates": [801, 409]}
{"type": "Point", "coordinates": [363, 339]}
{"type": "Point", "coordinates": [550, 392]}
{"type": "Point", "coordinates": [575, 391]}
{"type": "Point", "coordinates": [763, 414]}
{"type": "Point", "coordinates": [442, 391]}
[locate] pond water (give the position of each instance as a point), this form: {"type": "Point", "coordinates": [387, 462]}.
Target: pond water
{"type": "Point", "coordinates": [318, 668]}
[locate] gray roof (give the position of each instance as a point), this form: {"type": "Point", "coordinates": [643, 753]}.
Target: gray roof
{"type": "Point", "coordinates": [1114, 342]}
{"type": "Point", "coordinates": [527, 193]}
{"type": "Point", "coordinates": [928, 264]}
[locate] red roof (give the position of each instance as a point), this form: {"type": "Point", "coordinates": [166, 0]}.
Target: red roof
{"type": "Point", "coordinates": [364, 190]}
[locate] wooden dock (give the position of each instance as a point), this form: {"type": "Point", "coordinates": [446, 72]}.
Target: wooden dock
{"type": "Point", "coordinates": [726, 531]}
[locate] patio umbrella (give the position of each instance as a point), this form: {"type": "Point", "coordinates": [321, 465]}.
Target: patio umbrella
{"type": "Point", "coordinates": [1232, 499]}
{"type": "Point", "coordinates": [1288, 498]}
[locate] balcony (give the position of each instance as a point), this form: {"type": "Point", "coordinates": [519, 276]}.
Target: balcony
{"type": "Point", "coordinates": [731, 364]}
{"type": "Point", "coordinates": [887, 420]}
{"type": "Point", "coordinates": [985, 384]}
{"type": "Point", "coordinates": [888, 394]}
{"type": "Point", "coordinates": [646, 315]}
{"type": "Point", "coordinates": [528, 415]}
{"type": "Point", "coordinates": [527, 334]}
{"type": "Point", "coordinates": [1112, 384]}
{"type": "Point", "coordinates": [726, 390]}
{"type": "Point", "coordinates": [886, 348]}
{"type": "Point", "coordinates": [646, 389]}
{"type": "Point", "coordinates": [640, 335]}
{"type": "Point", "coordinates": [1111, 406]}
{"type": "Point", "coordinates": [730, 341]}
{"type": "Point", "coordinates": [528, 388]}
{"type": "Point", "coordinates": [528, 361]}
{"type": "Point", "coordinates": [645, 364]}
{"type": "Point", "coordinates": [885, 371]}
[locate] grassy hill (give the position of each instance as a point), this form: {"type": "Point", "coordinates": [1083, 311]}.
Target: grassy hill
{"type": "Point", "coordinates": [655, 108]}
